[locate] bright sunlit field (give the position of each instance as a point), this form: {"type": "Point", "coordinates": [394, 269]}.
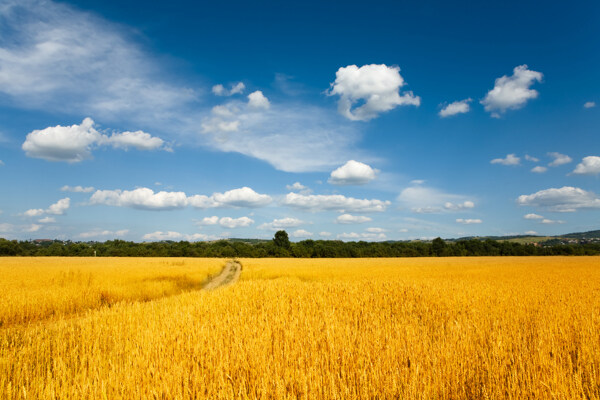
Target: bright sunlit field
{"type": "Point", "coordinates": [420, 328]}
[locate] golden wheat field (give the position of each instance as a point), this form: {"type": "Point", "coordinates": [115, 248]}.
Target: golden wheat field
{"type": "Point", "coordinates": [421, 328]}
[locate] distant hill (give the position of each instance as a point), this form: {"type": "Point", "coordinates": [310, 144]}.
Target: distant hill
{"type": "Point", "coordinates": [534, 238]}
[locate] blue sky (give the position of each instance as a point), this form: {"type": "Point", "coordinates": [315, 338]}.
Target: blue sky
{"type": "Point", "coordinates": [354, 121]}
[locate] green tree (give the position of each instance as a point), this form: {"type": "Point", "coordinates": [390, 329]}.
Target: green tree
{"type": "Point", "coordinates": [282, 240]}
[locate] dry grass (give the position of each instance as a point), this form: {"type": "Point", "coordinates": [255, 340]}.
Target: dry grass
{"type": "Point", "coordinates": [449, 328]}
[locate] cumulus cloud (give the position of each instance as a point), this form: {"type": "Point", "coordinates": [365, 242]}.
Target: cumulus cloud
{"type": "Point", "coordinates": [147, 199]}
{"type": "Point", "coordinates": [565, 199]}
{"type": "Point", "coordinates": [468, 221]}
{"type": "Point", "coordinates": [460, 206]}
{"type": "Point", "coordinates": [138, 139]}
{"type": "Point", "coordinates": [281, 223]}
{"type": "Point", "coordinates": [301, 233]}
{"type": "Point", "coordinates": [97, 233]}
{"type": "Point", "coordinates": [141, 198]}
{"type": "Point", "coordinates": [539, 169]}
{"type": "Point", "coordinates": [551, 221]}
{"type": "Point", "coordinates": [75, 143]}
{"type": "Point", "coordinates": [427, 200]}
{"type": "Point", "coordinates": [47, 220]}
{"type": "Point", "coordinates": [228, 222]}
{"type": "Point", "coordinates": [32, 228]}
{"type": "Point", "coordinates": [298, 187]}
{"type": "Point", "coordinates": [57, 208]}
{"type": "Point", "coordinates": [589, 165]}
{"type": "Point", "coordinates": [77, 189]}
{"type": "Point", "coordinates": [377, 86]}
{"type": "Point", "coordinates": [533, 216]}
{"type": "Point", "coordinates": [457, 107]}
{"type": "Point", "coordinates": [171, 235]}
{"type": "Point", "coordinates": [376, 230]}
{"type": "Point", "coordinates": [214, 220]}
{"type": "Point", "coordinates": [531, 233]}
{"type": "Point", "coordinates": [335, 202]}
{"type": "Point", "coordinates": [559, 159]}
{"type": "Point", "coordinates": [512, 92]}
{"type": "Point", "coordinates": [589, 104]}
{"type": "Point", "coordinates": [242, 197]}
{"type": "Point", "coordinates": [258, 100]}
{"type": "Point", "coordinates": [510, 159]}
{"type": "Point", "coordinates": [531, 158]}
{"type": "Point", "coordinates": [352, 173]}
{"type": "Point", "coordinates": [220, 90]}
{"type": "Point", "coordinates": [352, 219]}
{"type": "Point", "coordinates": [362, 236]}
{"type": "Point", "coordinates": [324, 234]}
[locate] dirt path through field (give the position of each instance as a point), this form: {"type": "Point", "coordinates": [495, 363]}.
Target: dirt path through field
{"type": "Point", "coordinates": [230, 274]}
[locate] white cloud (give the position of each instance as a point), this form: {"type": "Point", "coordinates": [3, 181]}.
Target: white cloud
{"type": "Point", "coordinates": [324, 234]}
{"type": "Point", "coordinates": [531, 233]}
{"type": "Point", "coordinates": [427, 200]}
{"type": "Point", "coordinates": [352, 219]}
{"type": "Point", "coordinates": [565, 199]}
{"type": "Point", "coordinates": [533, 216]}
{"type": "Point", "coordinates": [242, 197]}
{"type": "Point", "coordinates": [460, 206]}
{"type": "Point", "coordinates": [589, 104]}
{"type": "Point", "coordinates": [457, 107]}
{"type": "Point", "coordinates": [282, 223]}
{"type": "Point", "coordinates": [551, 221]}
{"type": "Point", "coordinates": [258, 100]}
{"type": "Point", "coordinates": [589, 165]}
{"type": "Point", "coordinates": [5, 227]}
{"type": "Point", "coordinates": [298, 187]}
{"type": "Point", "coordinates": [74, 143]}
{"type": "Point", "coordinates": [361, 236]}
{"type": "Point", "coordinates": [57, 208]}
{"type": "Point", "coordinates": [47, 220]}
{"type": "Point", "coordinates": [171, 235]}
{"type": "Point", "coordinates": [103, 233]}
{"type": "Point", "coordinates": [32, 228]}
{"type": "Point", "coordinates": [58, 58]}
{"type": "Point", "coordinates": [291, 137]}
{"type": "Point", "coordinates": [531, 158]}
{"type": "Point", "coordinates": [468, 221]}
{"type": "Point", "coordinates": [352, 173]}
{"type": "Point", "coordinates": [138, 139]}
{"type": "Point", "coordinates": [512, 92]}
{"type": "Point", "coordinates": [34, 212]}
{"type": "Point", "coordinates": [301, 233]}
{"type": "Point", "coordinates": [220, 90]}
{"type": "Point", "coordinates": [63, 143]}
{"type": "Point", "coordinates": [159, 235]}
{"type": "Point", "coordinates": [539, 169]}
{"type": "Point", "coordinates": [510, 159]}
{"type": "Point", "coordinates": [214, 220]}
{"type": "Point", "coordinates": [145, 198]}
{"type": "Point", "coordinates": [232, 223]}
{"type": "Point", "coordinates": [559, 159]}
{"type": "Point", "coordinates": [377, 86]}
{"type": "Point", "coordinates": [141, 198]}
{"type": "Point", "coordinates": [335, 202]}
{"type": "Point", "coordinates": [77, 189]}
{"type": "Point", "coordinates": [376, 230]}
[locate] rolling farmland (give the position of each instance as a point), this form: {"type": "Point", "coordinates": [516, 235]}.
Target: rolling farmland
{"type": "Point", "coordinates": [486, 327]}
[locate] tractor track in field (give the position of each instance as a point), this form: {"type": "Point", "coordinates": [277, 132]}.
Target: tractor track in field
{"type": "Point", "coordinates": [230, 274]}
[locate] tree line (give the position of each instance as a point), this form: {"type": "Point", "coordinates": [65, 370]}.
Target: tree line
{"type": "Point", "coordinates": [280, 246]}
